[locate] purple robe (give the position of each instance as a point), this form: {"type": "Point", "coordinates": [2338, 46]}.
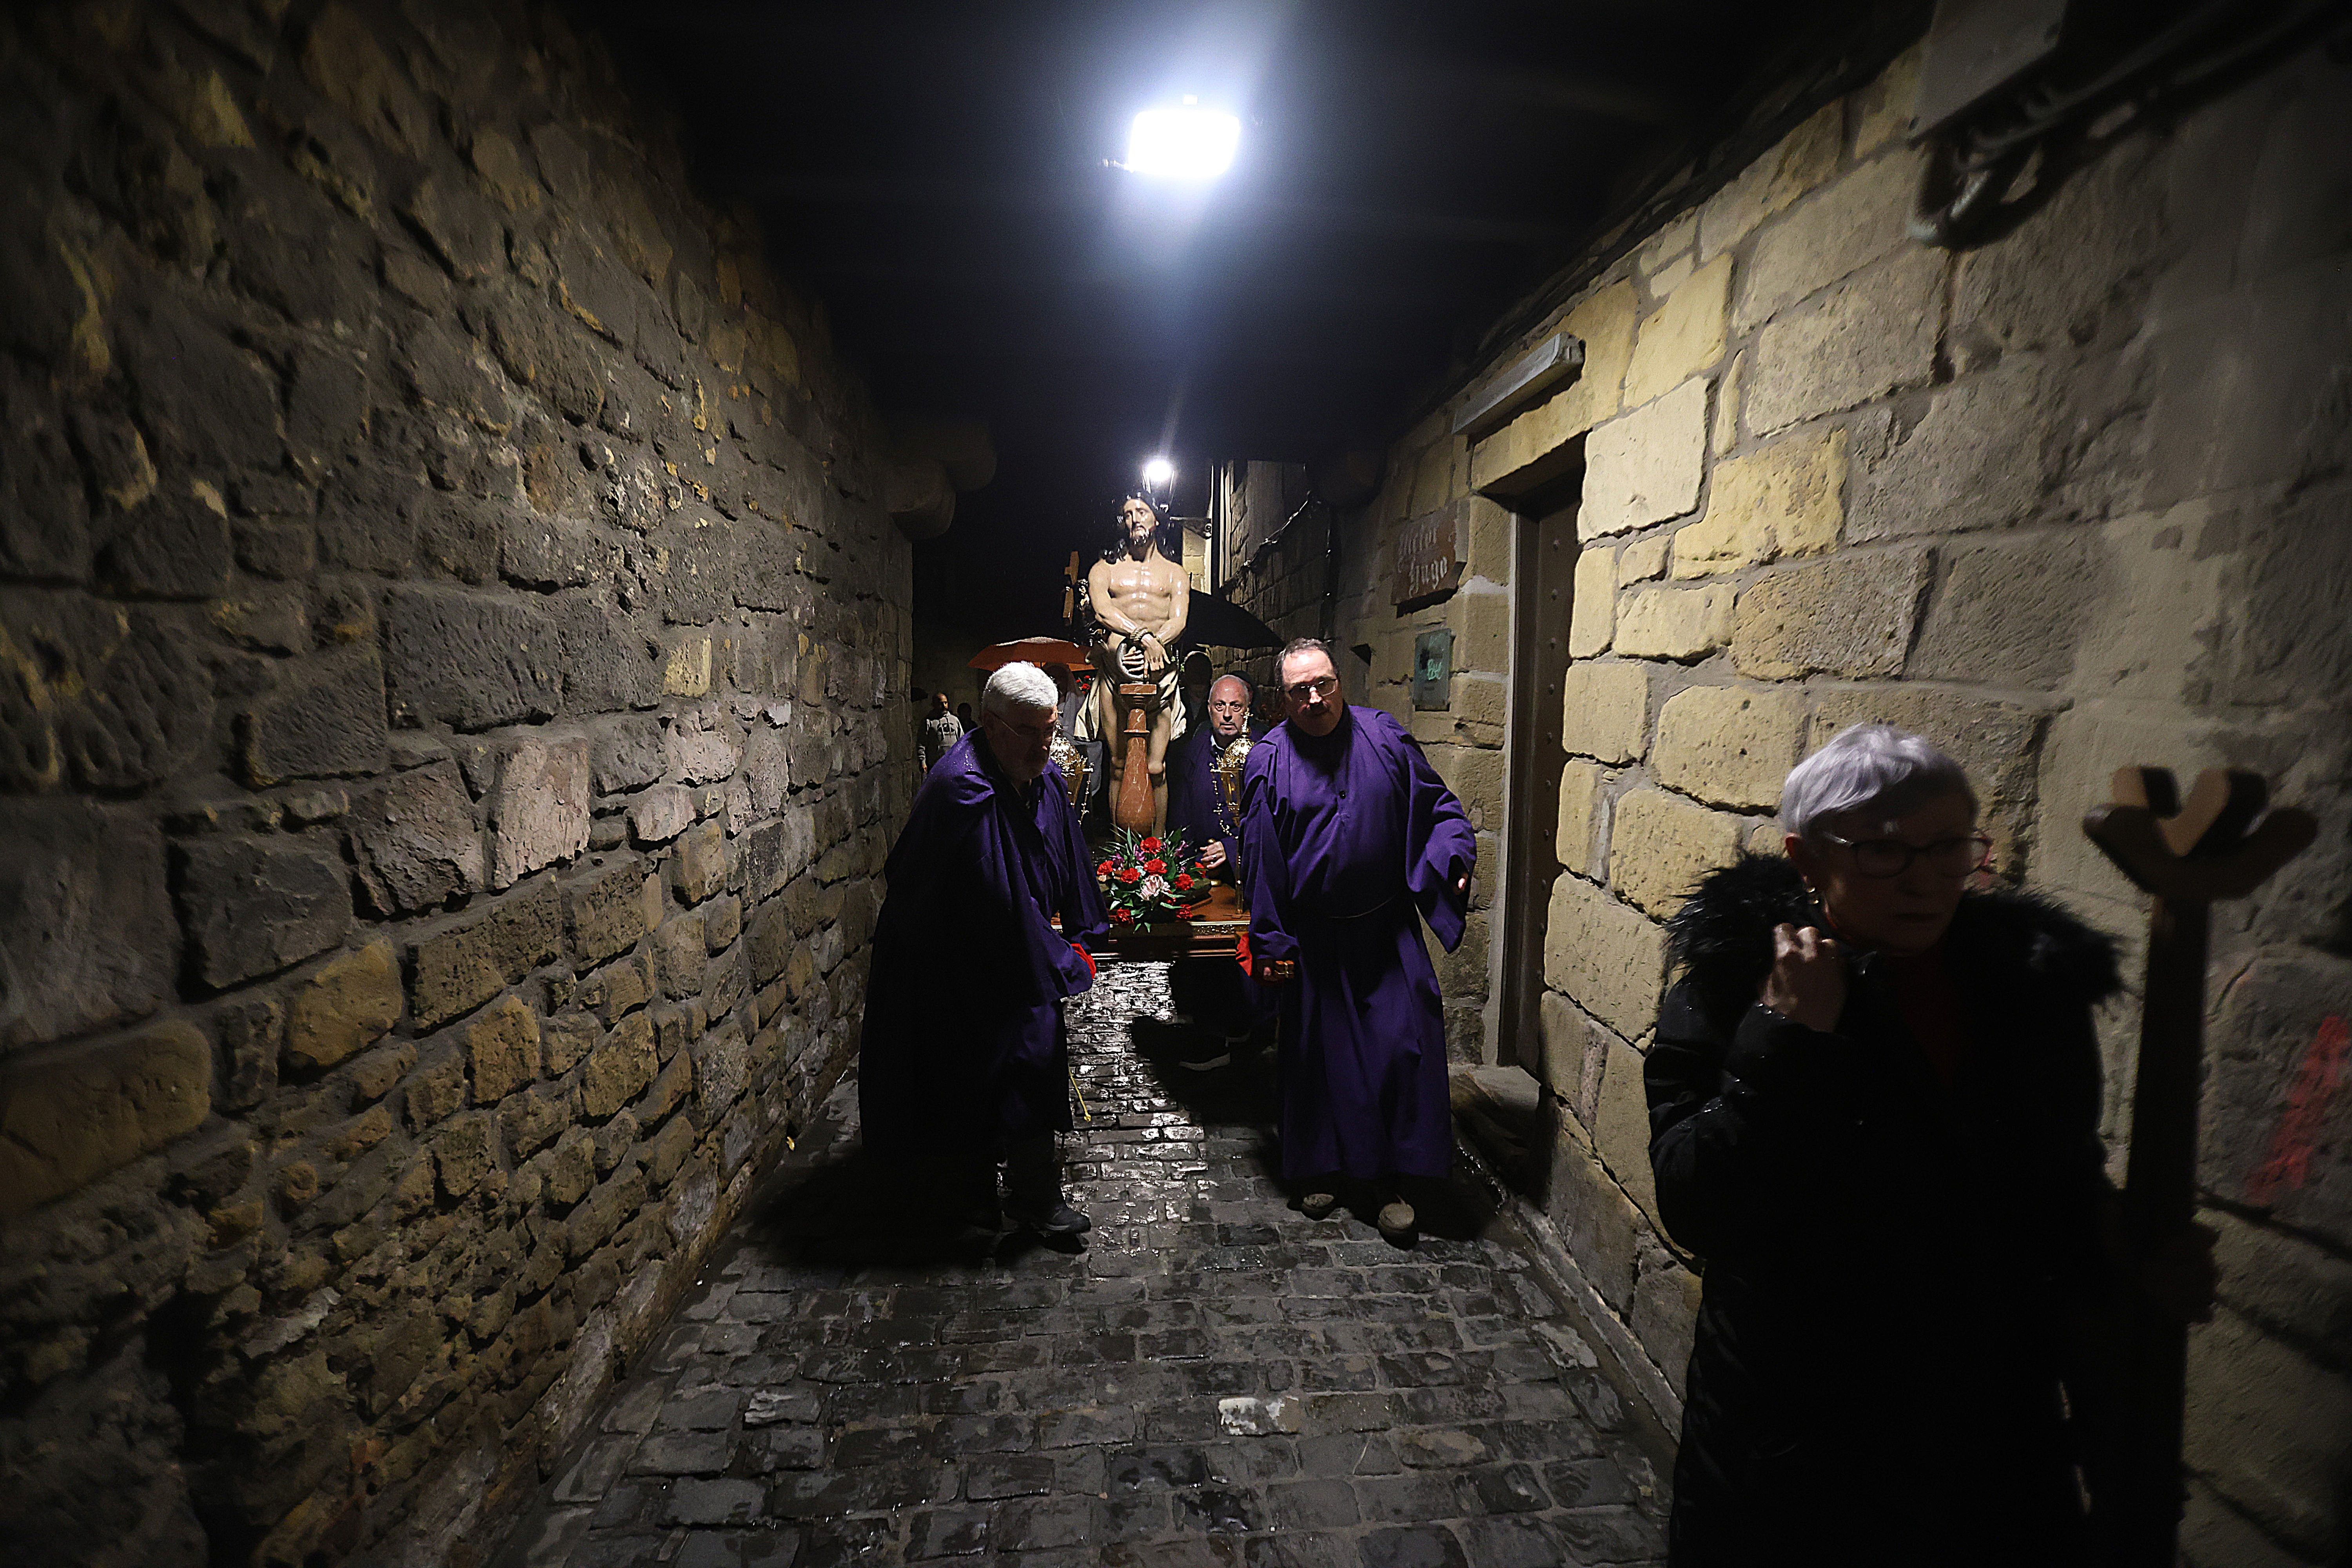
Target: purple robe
{"type": "Point", "coordinates": [964, 1045]}
{"type": "Point", "coordinates": [1349, 843]}
{"type": "Point", "coordinates": [1195, 807]}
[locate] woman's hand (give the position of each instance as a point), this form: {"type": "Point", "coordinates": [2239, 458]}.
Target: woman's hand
{"type": "Point", "coordinates": [1807, 985]}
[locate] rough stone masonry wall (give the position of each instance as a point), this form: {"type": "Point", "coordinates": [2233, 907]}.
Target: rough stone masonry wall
{"type": "Point", "coordinates": [2075, 500]}
{"type": "Point", "coordinates": [451, 711]}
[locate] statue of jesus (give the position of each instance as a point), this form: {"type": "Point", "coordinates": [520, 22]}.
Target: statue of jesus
{"type": "Point", "coordinates": [1140, 599]}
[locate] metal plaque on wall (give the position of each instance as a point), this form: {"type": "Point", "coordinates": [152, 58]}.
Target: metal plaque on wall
{"type": "Point", "coordinates": [1433, 669]}
{"type": "Point", "coordinates": [1428, 555]}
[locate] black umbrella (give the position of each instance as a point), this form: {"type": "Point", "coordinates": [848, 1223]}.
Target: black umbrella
{"type": "Point", "coordinates": [1219, 622]}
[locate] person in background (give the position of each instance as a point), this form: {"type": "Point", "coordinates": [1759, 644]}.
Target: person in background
{"type": "Point", "coordinates": [964, 1058]}
{"type": "Point", "coordinates": [963, 716]}
{"type": "Point", "coordinates": [1349, 840]}
{"type": "Point", "coordinates": [1874, 1106]}
{"type": "Point", "coordinates": [1212, 992]}
{"type": "Point", "coordinates": [939, 732]}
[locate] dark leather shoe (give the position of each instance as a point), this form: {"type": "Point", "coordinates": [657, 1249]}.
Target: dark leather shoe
{"type": "Point", "coordinates": [1056, 1219]}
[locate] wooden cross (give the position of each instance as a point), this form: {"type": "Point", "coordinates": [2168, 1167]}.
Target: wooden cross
{"type": "Point", "coordinates": [2187, 853]}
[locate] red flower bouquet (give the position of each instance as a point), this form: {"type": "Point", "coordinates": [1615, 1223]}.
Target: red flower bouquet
{"type": "Point", "coordinates": [1140, 886]}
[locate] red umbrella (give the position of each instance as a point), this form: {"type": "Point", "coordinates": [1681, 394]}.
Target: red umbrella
{"type": "Point", "coordinates": [1039, 651]}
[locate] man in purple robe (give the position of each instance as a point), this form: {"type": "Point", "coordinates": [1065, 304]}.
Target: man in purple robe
{"type": "Point", "coordinates": [1212, 991]}
{"type": "Point", "coordinates": [1349, 840]}
{"type": "Point", "coordinates": [964, 1060]}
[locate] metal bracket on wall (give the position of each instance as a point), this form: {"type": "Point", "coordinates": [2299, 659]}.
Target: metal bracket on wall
{"type": "Point", "coordinates": [1433, 669]}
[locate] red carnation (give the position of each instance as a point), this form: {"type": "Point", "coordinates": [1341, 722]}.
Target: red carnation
{"type": "Point", "coordinates": [1155, 866]}
{"type": "Point", "coordinates": [1151, 844]}
{"type": "Point", "coordinates": [1183, 881]}
{"type": "Point", "coordinates": [1130, 874]}
{"type": "Point", "coordinates": [1106, 869]}
{"type": "Point", "coordinates": [1122, 917]}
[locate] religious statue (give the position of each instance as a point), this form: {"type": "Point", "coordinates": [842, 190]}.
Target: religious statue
{"type": "Point", "coordinates": [1140, 597]}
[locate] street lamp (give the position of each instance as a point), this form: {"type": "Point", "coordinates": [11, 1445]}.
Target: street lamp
{"type": "Point", "coordinates": [1187, 143]}
{"type": "Point", "coordinates": [1157, 472]}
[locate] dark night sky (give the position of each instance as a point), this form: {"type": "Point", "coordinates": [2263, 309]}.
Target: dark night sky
{"type": "Point", "coordinates": [936, 174]}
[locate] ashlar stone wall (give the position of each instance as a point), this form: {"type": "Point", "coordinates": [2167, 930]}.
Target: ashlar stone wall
{"type": "Point", "coordinates": [452, 663]}
{"type": "Point", "coordinates": [2072, 499]}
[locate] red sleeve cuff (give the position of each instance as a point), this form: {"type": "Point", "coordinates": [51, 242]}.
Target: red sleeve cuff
{"type": "Point", "coordinates": [1242, 954]}
{"type": "Point", "coordinates": [1080, 949]}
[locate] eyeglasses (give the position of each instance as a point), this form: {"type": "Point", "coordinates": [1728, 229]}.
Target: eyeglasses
{"type": "Point", "coordinates": [1892, 857]}
{"type": "Point", "coordinates": [1322, 685]}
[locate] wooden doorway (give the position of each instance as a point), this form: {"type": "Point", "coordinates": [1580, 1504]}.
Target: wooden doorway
{"type": "Point", "coordinates": [1543, 590]}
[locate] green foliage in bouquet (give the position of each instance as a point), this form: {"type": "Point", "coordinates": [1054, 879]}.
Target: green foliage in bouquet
{"type": "Point", "coordinates": [1149, 879]}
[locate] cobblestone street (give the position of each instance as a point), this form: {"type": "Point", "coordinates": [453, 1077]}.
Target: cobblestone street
{"type": "Point", "coordinates": [1213, 1379]}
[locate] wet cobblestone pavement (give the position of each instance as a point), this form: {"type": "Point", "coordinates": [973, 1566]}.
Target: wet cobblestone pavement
{"type": "Point", "coordinates": [1214, 1379]}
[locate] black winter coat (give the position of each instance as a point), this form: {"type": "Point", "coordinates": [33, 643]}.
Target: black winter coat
{"type": "Point", "coordinates": [1893, 1270]}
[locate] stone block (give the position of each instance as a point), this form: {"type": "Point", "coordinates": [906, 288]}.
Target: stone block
{"type": "Point", "coordinates": [1645, 467]}
{"type": "Point", "coordinates": [201, 399]}
{"type": "Point", "coordinates": [252, 907]}
{"type": "Point", "coordinates": [661, 813]}
{"type": "Point", "coordinates": [1644, 560]}
{"type": "Point", "coordinates": [1482, 629]}
{"type": "Point", "coordinates": [2269, 1427]}
{"type": "Point", "coordinates": [1569, 1059]}
{"type": "Point", "coordinates": [679, 950]}
{"type": "Point", "coordinates": [2080, 273]}
{"type": "Point", "coordinates": [699, 866]}
{"type": "Point", "coordinates": [67, 1120]}
{"type": "Point", "coordinates": [721, 1068]}
{"type": "Point", "coordinates": [1682, 337]}
{"type": "Point", "coordinates": [1724, 433]}
{"type": "Point", "coordinates": [464, 1152]}
{"type": "Point", "coordinates": [1606, 957]}
{"type": "Point", "coordinates": [1621, 1126]}
{"type": "Point", "coordinates": [627, 753]}
{"type": "Point", "coordinates": [1660, 845]}
{"type": "Point", "coordinates": [85, 919]}
{"type": "Point", "coordinates": [434, 1090]}
{"type": "Point", "coordinates": [1728, 746]}
{"type": "Point", "coordinates": [1841, 229]}
{"type": "Point", "coordinates": [176, 546]}
{"type": "Point", "coordinates": [1873, 334]}
{"type": "Point", "coordinates": [1983, 455]}
{"type": "Point", "coordinates": [1676, 623]}
{"type": "Point", "coordinates": [1883, 110]}
{"type": "Point", "coordinates": [1593, 618]}
{"type": "Point", "coordinates": [1604, 323]}
{"type": "Point", "coordinates": [1665, 1311]}
{"type": "Point", "coordinates": [608, 911]}
{"type": "Point", "coordinates": [1486, 532]}
{"type": "Point", "coordinates": [1580, 805]}
{"type": "Point", "coordinates": [471, 961]}
{"type": "Point", "coordinates": [703, 747]}
{"type": "Point", "coordinates": [1803, 159]}
{"type": "Point", "coordinates": [413, 841]}
{"type": "Point", "coordinates": [1605, 711]}
{"type": "Point", "coordinates": [1786, 499]}
{"type": "Point", "coordinates": [470, 660]}
{"type": "Point", "coordinates": [619, 1070]}
{"type": "Point", "coordinates": [686, 670]}
{"type": "Point", "coordinates": [501, 1046]}
{"type": "Point", "coordinates": [1598, 1223]}
{"type": "Point", "coordinates": [2009, 611]}
{"type": "Point", "coordinates": [2276, 1032]}
{"type": "Point", "coordinates": [1851, 614]}
{"type": "Point", "coordinates": [538, 812]}
{"type": "Point", "coordinates": [347, 1003]}
{"type": "Point", "coordinates": [112, 697]}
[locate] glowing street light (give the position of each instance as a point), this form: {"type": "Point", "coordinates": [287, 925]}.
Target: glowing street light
{"type": "Point", "coordinates": [1157, 472]}
{"type": "Point", "coordinates": [1188, 143]}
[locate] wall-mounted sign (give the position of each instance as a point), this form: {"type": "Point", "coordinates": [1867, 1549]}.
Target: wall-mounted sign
{"type": "Point", "coordinates": [1433, 669]}
{"type": "Point", "coordinates": [1428, 555]}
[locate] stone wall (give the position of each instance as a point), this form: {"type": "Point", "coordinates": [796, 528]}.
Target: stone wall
{"type": "Point", "coordinates": [451, 717]}
{"type": "Point", "coordinates": [2073, 500]}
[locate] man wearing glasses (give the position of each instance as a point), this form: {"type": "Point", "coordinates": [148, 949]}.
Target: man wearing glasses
{"type": "Point", "coordinates": [1350, 841]}
{"type": "Point", "coordinates": [1212, 991]}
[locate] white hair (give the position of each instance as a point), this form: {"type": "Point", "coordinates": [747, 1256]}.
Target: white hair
{"type": "Point", "coordinates": [1868, 767]}
{"type": "Point", "coordinates": [1018, 684]}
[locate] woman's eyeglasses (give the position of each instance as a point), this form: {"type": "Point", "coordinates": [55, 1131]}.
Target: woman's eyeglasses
{"type": "Point", "coordinates": [1892, 857]}
{"type": "Point", "coordinates": [1322, 685]}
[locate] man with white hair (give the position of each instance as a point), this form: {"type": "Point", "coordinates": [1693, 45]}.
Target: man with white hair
{"type": "Point", "coordinates": [1874, 1111]}
{"type": "Point", "coordinates": [964, 1060]}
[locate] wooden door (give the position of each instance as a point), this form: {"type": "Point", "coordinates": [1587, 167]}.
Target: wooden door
{"type": "Point", "coordinates": [1543, 582]}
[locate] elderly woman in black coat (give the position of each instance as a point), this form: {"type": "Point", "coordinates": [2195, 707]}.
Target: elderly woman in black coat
{"type": "Point", "coordinates": [1874, 1110]}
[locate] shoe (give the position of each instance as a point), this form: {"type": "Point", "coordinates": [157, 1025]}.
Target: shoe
{"type": "Point", "coordinates": [1057, 1219]}
{"type": "Point", "coordinates": [1396, 1220]}
{"type": "Point", "coordinates": [1205, 1064]}
{"type": "Point", "coordinates": [1319, 1205]}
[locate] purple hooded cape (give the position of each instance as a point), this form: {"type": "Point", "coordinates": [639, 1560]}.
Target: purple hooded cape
{"type": "Point", "coordinates": [1349, 843]}
{"type": "Point", "coordinates": [963, 1044]}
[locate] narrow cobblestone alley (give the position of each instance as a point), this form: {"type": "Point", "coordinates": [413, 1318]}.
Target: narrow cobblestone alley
{"type": "Point", "coordinates": [1214, 1379]}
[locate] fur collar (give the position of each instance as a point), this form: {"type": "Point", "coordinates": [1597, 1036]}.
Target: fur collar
{"type": "Point", "coordinates": [1722, 938]}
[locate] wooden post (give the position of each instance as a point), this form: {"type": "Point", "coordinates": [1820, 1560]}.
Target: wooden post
{"type": "Point", "coordinates": [2186, 854]}
{"type": "Point", "coordinates": [1135, 809]}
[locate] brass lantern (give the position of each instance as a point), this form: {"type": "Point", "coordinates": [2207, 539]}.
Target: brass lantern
{"type": "Point", "coordinates": [1066, 756]}
{"type": "Point", "coordinates": [1229, 775]}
